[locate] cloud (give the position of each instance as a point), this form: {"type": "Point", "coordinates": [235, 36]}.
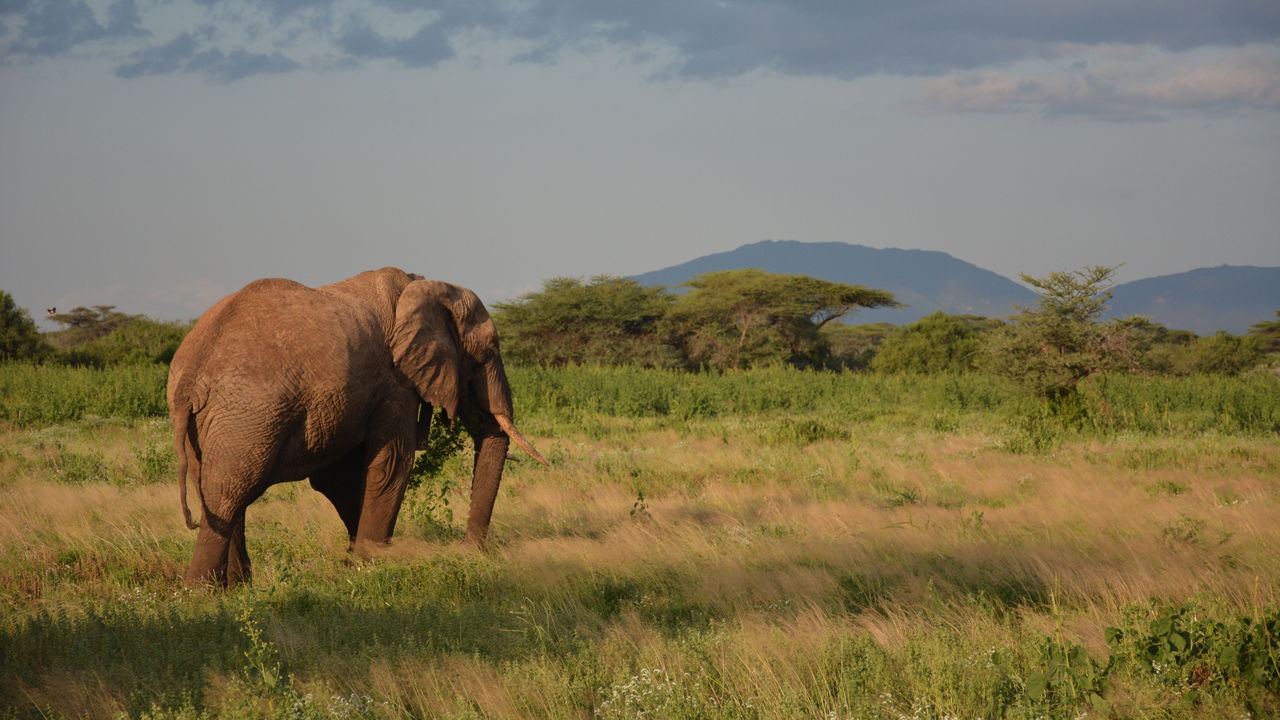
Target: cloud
{"type": "Point", "coordinates": [52, 27]}
{"type": "Point", "coordinates": [184, 54]}
{"type": "Point", "coordinates": [1116, 90]}
{"type": "Point", "coordinates": [704, 39]}
{"type": "Point", "coordinates": [426, 48]}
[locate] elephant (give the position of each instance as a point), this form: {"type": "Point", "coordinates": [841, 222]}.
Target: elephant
{"type": "Point", "coordinates": [278, 382]}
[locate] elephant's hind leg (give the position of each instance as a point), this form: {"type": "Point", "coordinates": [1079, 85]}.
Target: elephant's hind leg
{"type": "Point", "coordinates": [209, 564]}
{"type": "Point", "coordinates": [238, 555]}
{"type": "Point", "coordinates": [221, 557]}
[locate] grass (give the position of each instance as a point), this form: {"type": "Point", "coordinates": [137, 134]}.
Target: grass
{"type": "Point", "coordinates": [874, 548]}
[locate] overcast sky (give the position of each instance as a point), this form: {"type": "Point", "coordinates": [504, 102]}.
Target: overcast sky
{"type": "Point", "coordinates": [157, 155]}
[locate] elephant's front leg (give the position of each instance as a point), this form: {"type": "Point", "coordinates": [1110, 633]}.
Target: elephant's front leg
{"type": "Point", "coordinates": [491, 455]}
{"type": "Point", "coordinates": [343, 484]}
{"type": "Point", "coordinates": [389, 456]}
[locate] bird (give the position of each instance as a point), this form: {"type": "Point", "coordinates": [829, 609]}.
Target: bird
{"type": "Point", "coordinates": [51, 311]}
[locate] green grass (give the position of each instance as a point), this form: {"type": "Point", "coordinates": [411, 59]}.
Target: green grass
{"type": "Point", "coordinates": [804, 402]}
{"type": "Point", "coordinates": [771, 544]}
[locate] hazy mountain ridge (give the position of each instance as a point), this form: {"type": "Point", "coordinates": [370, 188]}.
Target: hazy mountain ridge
{"type": "Point", "coordinates": [1203, 300]}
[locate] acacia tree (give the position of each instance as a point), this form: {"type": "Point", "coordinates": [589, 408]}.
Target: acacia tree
{"type": "Point", "coordinates": [1051, 348]}
{"type": "Point", "coordinates": [737, 318]}
{"type": "Point", "coordinates": [609, 320]}
{"type": "Point", "coordinates": [101, 335]}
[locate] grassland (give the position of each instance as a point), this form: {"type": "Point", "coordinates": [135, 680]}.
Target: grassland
{"type": "Point", "coordinates": [768, 544]}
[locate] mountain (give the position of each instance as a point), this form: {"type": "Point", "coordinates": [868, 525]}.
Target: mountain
{"type": "Point", "coordinates": [1205, 300]}
{"type": "Point", "coordinates": [925, 281]}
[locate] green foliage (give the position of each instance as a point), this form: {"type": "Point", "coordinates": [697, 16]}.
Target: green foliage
{"type": "Point", "coordinates": [43, 395]}
{"type": "Point", "coordinates": [935, 343]}
{"type": "Point", "coordinates": [1247, 405]}
{"type": "Point", "coordinates": [155, 464]}
{"type": "Point", "coordinates": [82, 325]}
{"type": "Point", "coordinates": [76, 468]}
{"type": "Point", "coordinates": [853, 346]}
{"type": "Point", "coordinates": [429, 488]}
{"type": "Point", "coordinates": [19, 337]}
{"type": "Point", "coordinates": [1224, 354]}
{"type": "Point", "coordinates": [1065, 677]}
{"type": "Point", "coordinates": [1051, 348]}
{"type": "Point", "coordinates": [121, 339]}
{"type": "Point", "coordinates": [607, 321]}
{"type": "Point", "coordinates": [1267, 335]}
{"type": "Point", "coordinates": [744, 318]}
{"type": "Point", "coordinates": [1187, 649]}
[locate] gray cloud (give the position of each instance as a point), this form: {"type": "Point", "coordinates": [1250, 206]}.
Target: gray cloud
{"type": "Point", "coordinates": [429, 46]}
{"type": "Point", "coordinates": [184, 54]}
{"type": "Point", "coordinates": [708, 38]}
{"type": "Point", "coordinates": [48, 28]}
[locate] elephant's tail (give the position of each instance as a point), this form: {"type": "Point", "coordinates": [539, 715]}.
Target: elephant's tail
{"type": "Point", "coordinates": [183, 447]}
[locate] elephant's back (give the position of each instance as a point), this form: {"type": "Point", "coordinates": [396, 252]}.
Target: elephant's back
{"type": "Point", "coordinates": [277, 338]}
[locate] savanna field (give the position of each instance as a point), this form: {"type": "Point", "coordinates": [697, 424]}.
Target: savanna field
{"type": "Point", "coordinates": [758, 544]}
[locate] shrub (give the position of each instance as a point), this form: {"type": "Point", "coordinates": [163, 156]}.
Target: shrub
{"type": "Point", "coordinates": [935, 343]}
{"type": "Point", "coordinates": [19, 337]}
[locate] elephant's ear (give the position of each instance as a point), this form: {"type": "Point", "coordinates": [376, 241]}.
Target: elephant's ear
{"type": "Point", "coordinates": [423, 345]}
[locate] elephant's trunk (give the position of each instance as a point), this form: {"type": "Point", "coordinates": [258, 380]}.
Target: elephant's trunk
{"type": "Point", "coordinates": [491, 455]}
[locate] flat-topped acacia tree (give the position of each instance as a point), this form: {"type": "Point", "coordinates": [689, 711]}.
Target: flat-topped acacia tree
{"type": "Point", "coordinates": [738, 318]}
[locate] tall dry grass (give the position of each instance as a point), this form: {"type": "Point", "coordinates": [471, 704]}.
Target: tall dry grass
{"type": "Point", "coordinates": [709, 570]}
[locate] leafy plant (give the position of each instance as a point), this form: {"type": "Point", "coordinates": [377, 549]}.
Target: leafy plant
{"type": "Point", "coordinates": [1065, 676]}
{"type": "Point", "coordinates": [429, 489]}
{"type": "Point", "coordinates": [640, 508]}
{"type": "Point", "coordinates": [75, 468]}
{"type": "Point", "coordinates": [155, 464]}
{"type": "Point", "coordinates": [1184, 647]}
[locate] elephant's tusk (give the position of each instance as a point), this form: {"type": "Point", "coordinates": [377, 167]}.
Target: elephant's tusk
{"type": "Point", "coordinates": [510, 429]}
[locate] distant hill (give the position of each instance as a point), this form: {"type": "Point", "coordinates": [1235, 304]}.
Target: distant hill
{"type": "Point", "coordinates": [1205, 300]}
{"type": "Point", "coordinates": [925, 281]}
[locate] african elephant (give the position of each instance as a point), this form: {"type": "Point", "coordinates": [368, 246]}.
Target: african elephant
{"type": "Point", "coordinates": [279, 382]}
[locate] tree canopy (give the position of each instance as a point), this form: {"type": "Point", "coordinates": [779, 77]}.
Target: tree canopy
{"type": "Point", "coordinates": [609, 320]}
{"type": "Point", "coordinates": [1052, 347]}
{"type": "Point", "coordinates": [729, 319]}
{"type": "Point", "coordinates": [101, 335]}
{"type": "Point", "coordinates": [739, 318]}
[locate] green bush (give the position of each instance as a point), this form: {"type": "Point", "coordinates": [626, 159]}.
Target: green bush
{"type": "Point", "coordinates": [43, 395]}
{"type": "Point", "coordinates": [19, 337]}
{"type": "Point", "coordinates": [933, 344]}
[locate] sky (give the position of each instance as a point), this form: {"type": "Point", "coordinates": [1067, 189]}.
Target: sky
{"type": "Point", "coordinates": [159, 154]}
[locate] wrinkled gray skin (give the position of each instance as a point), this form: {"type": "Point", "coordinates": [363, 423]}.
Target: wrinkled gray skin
{"type": "Point", "coordinates": [280, 382]}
